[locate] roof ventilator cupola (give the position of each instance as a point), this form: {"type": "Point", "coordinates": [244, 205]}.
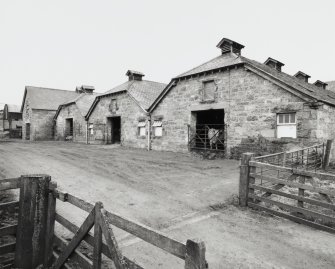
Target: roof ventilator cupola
{"type": "Point", "coordinates": [275, 64]}
{"type": "Point", "coordinates": [302, 76]}
{"type": "Point", "coordinates": [85, 89]}
{"type": "Point", "coordinates": [134, 75]}
{"type": "Point", "coordinates": [227, 46]}
{"type": "Point", "coordinates": [320, 84]}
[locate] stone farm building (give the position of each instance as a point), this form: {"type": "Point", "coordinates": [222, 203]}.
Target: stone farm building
{"type": "Point", "coordinates": [1, 117]}
{"type": "Point", "coordinates": [38, 109]}
{"type": "Point", "coordinates": [12, 120]}
{"type": "Point", "coordinates": [70, 123]}
{"type": "Point", "coordinates": [244, 104]}
{"type": "Point", "coordinates": [121, 114]}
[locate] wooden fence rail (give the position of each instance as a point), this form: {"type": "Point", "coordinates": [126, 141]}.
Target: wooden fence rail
{"type": "Point", "coordinates": [36, 239]}
{"type": "Point", "coordinates": [300, 195]}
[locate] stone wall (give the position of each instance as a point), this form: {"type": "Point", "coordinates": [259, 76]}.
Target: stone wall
{"type": "Point", "coordinates": [250, 103]}
{"type": "Point", "coordinates": [130, 114]}
{"type": "Point", "coordinates": [79, 124]}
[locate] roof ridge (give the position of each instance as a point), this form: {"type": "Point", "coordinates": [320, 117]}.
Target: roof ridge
{"type": "Point", "coordinates": [44, 88]}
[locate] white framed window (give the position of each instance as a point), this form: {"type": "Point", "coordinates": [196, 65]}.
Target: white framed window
{"type": "Point", "coordinates": [141, 128]}
{"type": "Point", "coordinates": [158, 128]}
{"type": "Point", "coordinates": [286, 125]}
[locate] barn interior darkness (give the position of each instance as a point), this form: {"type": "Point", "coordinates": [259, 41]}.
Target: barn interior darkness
{"type": "Point", "coordinates": [210, 117]}
{"type": "Point", "coordinates": [114, 124]}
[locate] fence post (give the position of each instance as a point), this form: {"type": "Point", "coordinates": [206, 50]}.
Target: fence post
{"type": "Point", "coordinates": [50, 225]}
{"type": "Point", "coordinates": [195, 255]}
{"type": "Point", "coordinates": [327, 155]}
{"type": "Point", "coordinates": [32, 221]}
{"type": "Point", "coordinates": [244, 178]}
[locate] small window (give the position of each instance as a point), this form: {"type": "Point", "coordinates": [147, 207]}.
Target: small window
{"type": "Point", "coordinates": [113, 106]}
{"type": "Point", "coordinates": [209, 90]}
{"type": "Point", "coordinates": [141, 128]}
{"type": "Point", "coordinates": [286, 125]}
{"type": "Point", "coordinates": [158, 128]}
{"type": "Point", "coordinates": [90, 127]}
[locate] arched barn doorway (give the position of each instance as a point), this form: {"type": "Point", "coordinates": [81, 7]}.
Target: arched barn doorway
{"type": "Point", "coordinates": [208, 130]}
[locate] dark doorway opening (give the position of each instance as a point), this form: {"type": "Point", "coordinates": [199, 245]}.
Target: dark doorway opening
{"type": "Point", "coordinates": [210, 130]}
{"type": "Point", "coordinates": [69, 129]}
{"type": "Point", "coordinates": [27, 131]}
{"type": "Point", "coordinates": [115, 130]}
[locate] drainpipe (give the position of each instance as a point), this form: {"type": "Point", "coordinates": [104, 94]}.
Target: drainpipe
{"type": "Point", "coordinates": [149, 131]}
{"type": "Point", "coordinates": [87, 132]}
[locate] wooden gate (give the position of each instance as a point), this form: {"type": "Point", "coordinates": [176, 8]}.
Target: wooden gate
{"type": "Point", "coordinates": [38, 245]}
{"type": "Point", "coordinates": [293, 185]}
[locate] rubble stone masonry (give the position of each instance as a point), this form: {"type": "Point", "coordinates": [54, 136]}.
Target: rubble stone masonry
{"type": "Point", "coordinates": [250, 103]}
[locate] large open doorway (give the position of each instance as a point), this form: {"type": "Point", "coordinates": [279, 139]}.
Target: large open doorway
{"type": "Point", "coordinates": [69, 129]}
{"type": "Point", "coordinates": [27, 131]}
{"type": "Point", "coordinates": [114, 130]}
{"type": "Point", "coordinates": [210, 130]}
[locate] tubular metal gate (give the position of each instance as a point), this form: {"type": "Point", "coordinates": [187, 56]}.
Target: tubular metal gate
{"type": "Point", "coordinates": [208, 137]}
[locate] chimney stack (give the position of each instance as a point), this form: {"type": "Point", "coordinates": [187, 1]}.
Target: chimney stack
{"type": "Point", "coordinates": [85, 89]}
{"type": "Point", "coordinates": [226, 45]}
{"type": "Point", "coordinates": [302, 76]}
{"type": "Point", "coordinates": [274, 64]}
{"type": "Point", "coordinates": [320, 84]}
{"type": "Point", "coordinates": [134, 75]}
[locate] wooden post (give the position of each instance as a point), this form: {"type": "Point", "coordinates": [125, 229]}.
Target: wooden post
{"type": "Point", "coordinates": [51, 218]}
{"type": "Point", "coordinates": [327, 154]}
{"type": "Point", "coordinates": [32, 221]}
{"type": "Point", "coordinates": [284, 159]}
{"type": "Point", "coordinates": [97, 238]}
{"type": "Point", "coordinates": [195, 255]}
{"type": "Point", "coordinates": [244, 178]}
{"type": "Point", "coordinates": [301, 192]}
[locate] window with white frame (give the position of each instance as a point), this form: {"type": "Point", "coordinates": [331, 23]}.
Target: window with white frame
{"type": "Point", "coordinates": [158, 128]}
{"type": "Point", "coordinates": [141, 128]}
{"type": "Point", "coordinates": [286, 125]}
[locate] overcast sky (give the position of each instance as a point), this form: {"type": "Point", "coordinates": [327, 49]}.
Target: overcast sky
{"type": "Point", "coordinates": [65, 43]}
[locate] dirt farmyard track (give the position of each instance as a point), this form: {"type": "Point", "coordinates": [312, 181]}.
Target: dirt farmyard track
{"type": "Point", "coordinates": [179, 194]}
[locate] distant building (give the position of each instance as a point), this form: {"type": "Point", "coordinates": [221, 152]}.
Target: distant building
{"type": "Point", "coordinates": [121, 114]}
{"type": "Point", "coordinates": [12, 120]}
{"type": "Point", "coordinates": [1, 117]}
{"type": "Point", "coordinates": [70, 123]}
{"type": "Point", "coordinates": [38, 109]}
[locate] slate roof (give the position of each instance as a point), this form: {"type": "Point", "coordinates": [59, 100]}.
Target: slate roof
{"type": "Point", "coordinates": [230, 59]}
{"type": "Point", "coordinates": [144, 92]}
{"type": "Point", "coordinates": [221, 61]}
{"type": "Point", "coordinates": [84, 101]}
{"type": "Point", "coordinates": [46, 98]}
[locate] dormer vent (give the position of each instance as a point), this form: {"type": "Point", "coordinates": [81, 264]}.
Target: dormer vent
{"type": "Point", "coordinates": [226, 45]}
{"type": "Point", "coordinates": [302, 76]}
{"type": "Point", "coordinates": [275, 64]}
{"type": "Point", "coordinates": [134, 75]}
{"type": "Point", "coordinates": [85, 89]}
{"type": "Point", "coordinates": [320, 84]}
